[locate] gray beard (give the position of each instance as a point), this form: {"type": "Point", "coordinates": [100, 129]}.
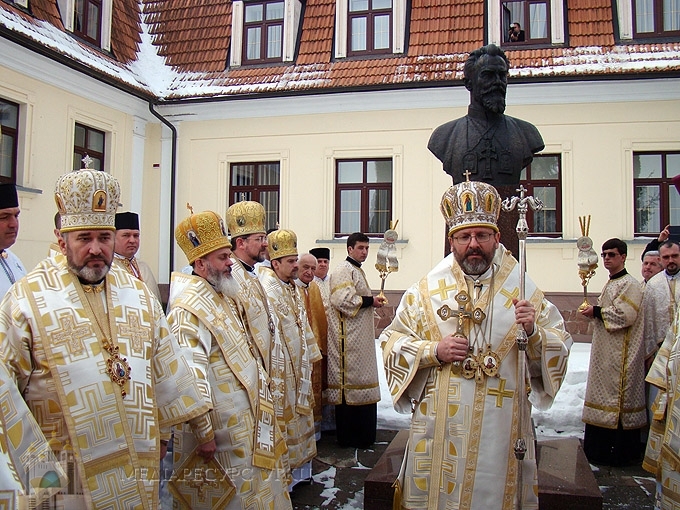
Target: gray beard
{"type": "Point", "coordinates": [89, 274]}
{"type": "Point", "coordinates": [225, 285]}
{"type": "Point", "coordinates": [475, 267]}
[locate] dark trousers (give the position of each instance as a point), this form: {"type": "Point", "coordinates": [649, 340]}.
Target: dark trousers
{"type": "Point", "coordinates": [356, 425]}
{"type": "Point", "coordinates": [612, 447]}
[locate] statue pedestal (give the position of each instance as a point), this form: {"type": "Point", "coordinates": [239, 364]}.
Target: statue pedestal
{"type": "Point", "coordinates": [565, 480]}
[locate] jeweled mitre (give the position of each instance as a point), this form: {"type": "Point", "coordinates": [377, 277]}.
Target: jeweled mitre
{"type": "Point", "coordinates": [471, 204]}
{"type": "Point", "coordinates": [245, 218]}
{"type": "Point", "coordinates": [87, 200]}
{"type": "Point", "coordinates": [200, 234]}
{"type": "Point", "coordinates": [282, 243]}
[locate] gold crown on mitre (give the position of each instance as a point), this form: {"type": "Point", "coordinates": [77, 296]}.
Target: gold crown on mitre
{"type": "Point", "coordinates": [245, 218]}
{"type": "Point", "coordinates": [471, 204]}
{"type": "Point", "coordinates": [282, 243]}
{"type": "Point", "coordinates": [200, 234]}
{"type": "Point", "coordinates": [87, 199]}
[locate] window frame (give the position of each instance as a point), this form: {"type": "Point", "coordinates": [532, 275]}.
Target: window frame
{"type": "Point", "coordinates": [254, 191]}
{"type": "Point", "coordinates": [83, 151]}
{"type": "Point", "coordinates": [82, 32]}
{"type": "Point", "coordinates": [666, 187]}
{"type": "Point", "coordinates": [370, 14]}
{"type": "Point", "coordinates": [530, 185]}
{"type": "Point", "coordinates": [264, 25]}
{"type": "Point", "coordinates": [365, 188]}
{"type": "Point", "coordinates": [526, 23]}
{"type": "Point", "coordinates": [658, 19]}
{"type": "Point", "coordinates": [14, 133]}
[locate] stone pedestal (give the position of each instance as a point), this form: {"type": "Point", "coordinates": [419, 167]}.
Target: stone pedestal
{"type": "Point", "coordinates": [565, 480]}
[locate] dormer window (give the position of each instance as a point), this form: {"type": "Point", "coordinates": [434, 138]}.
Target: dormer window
{"type": "Point", "coordinates": [656, 18]}
{"type": "Point", "coordinates": [369, 27]}
{"type": "Point", "coordinates": [263, 31]}
{"type": "Point", "coordinates": [87, 20]}
{"type": "Point", "coordinates": [526, 21]}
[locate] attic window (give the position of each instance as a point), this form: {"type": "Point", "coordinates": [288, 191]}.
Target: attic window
{"type": "Point", "coordinates": [87, 20]}
{"type": "Point", "coordinates": [263, 31]}
{"type": "Point", "coordinates": [656, 18]}
{"type": "Point", "coordinates": [369, 28]}
{"type": "Point", "coordinates": [526, 21]}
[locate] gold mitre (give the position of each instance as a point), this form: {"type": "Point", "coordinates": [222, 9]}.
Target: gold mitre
{"type": "Point", "coordinates": [200, 234]}
{"type": "Point", "coordinates": [282, 243]}
{"type": "Point", "coordinates": [245, 218]}
{"type": "Point", "coordinates": [87, 199]}
{"type": "Point", "coordinates": [471, 204]}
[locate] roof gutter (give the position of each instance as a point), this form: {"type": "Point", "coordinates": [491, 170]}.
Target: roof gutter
{"type": "Point", "coordinates": [173, 181]}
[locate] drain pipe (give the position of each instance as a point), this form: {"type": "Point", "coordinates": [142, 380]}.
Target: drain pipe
{"type": "Point", "coordinates": [173, 179]}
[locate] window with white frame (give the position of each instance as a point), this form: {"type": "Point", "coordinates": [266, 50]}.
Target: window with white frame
{"type": "Point", "coordinates": [363, 196]}
{"type": "Point", "coordinates": [656, 201]}
{"type": "Point", "coordinates": [264, 31]}
{"type": "Point", "coordinates": [367, 27]}
{"type": "Point", "coordinates": [656, 18]}
{"type": "Point", "coordinates": [88, 19]}
{"type": "Point", "coordinates": [9, 134]}
{"type": "Point", "coordinates": [526, 22]}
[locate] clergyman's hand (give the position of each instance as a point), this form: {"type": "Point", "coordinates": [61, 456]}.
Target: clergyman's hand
{"type": "Point", "coordinates": [452, 348]}
{"type": "Point", "coordinates": [207, 450]}
{"type": "Point", "coordinates": [525, 315]}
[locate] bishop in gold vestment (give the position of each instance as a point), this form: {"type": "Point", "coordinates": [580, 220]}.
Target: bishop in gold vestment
{"type": "Point", "coordinates": [250, 447]}
{"type": "Point", "coordinates": [300, 349]}
{"type": "Point", "coordinates": [90, 349]}
{"type": "Point", "coordinates": [451, 358]}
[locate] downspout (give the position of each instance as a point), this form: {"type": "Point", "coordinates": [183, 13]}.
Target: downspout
{"type": "Point", "coordinates": [173, 178]}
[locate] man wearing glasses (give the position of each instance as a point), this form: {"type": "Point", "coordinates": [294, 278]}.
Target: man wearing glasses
{"type": "Point", "coordinates": [451, 359]}
{"type": "Point", "coordinates": [614, 409]}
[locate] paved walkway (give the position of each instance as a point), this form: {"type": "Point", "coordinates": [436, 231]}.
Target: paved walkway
{"type": "Point", "coordinates": [339, 475]}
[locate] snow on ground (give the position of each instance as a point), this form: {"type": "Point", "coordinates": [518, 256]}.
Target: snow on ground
{"type": "Point", "coordinates": [562, 419]}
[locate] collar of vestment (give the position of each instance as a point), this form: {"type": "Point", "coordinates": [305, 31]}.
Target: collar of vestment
{"type": "Point", "coordinates": [352, 261]}
{"type": "Point", "coordinates": [672, 276]}
{"type": "Point", "coordinates": [478, 113]}
{"type": "Point", "coordinates": [621, 273]}
{"type": "Point", "coordinates": [247, 267]}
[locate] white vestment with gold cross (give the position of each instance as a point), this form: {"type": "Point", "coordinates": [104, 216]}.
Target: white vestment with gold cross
{"type": "Point", "coordinates": [460, 451]}
{"type": "Point", "coordinates": [53, 347]}
{"type": "Point", "coordinates": [301, 351]}
{"type": "Point", "coordinates": [250, 446]}
{"type": "Point", "coordinates": [662, 457]}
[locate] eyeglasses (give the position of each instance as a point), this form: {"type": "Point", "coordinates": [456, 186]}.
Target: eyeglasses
{"type": "Point", "coordinates": [609, 254]}
{"type": "Point", "coordinates": [258, 239]}
{"type": "Point", "coordinates": [465, 239]}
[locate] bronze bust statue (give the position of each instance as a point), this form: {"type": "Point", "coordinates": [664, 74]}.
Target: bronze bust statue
{"type": "Point", "coordinates": [492, 146]}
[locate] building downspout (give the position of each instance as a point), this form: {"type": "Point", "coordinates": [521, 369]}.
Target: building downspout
{"type": "Point", "coordinates": [173, 179]}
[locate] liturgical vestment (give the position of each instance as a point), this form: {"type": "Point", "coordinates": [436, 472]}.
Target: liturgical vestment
{"type": "Point", "coordinates": [460, 449]}
{"type": "Point", "coordinates": [53, 343]}
{"type": "Point", "coordinates": [301, 351]}
{"type": "Point", "coordinates": [250, 446]}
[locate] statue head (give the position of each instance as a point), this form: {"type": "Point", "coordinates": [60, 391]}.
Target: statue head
{"type": "Point", "coordinates": [486, 77]}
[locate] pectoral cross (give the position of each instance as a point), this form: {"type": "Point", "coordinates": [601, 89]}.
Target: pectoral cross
{"type": "Point", "coordinates": [462, 298]}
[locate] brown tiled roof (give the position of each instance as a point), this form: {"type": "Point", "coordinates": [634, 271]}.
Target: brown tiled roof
{"type": "Point", "coordinates": [125, 31]}
{"type": "Point", "coordinates": [192, 36]}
